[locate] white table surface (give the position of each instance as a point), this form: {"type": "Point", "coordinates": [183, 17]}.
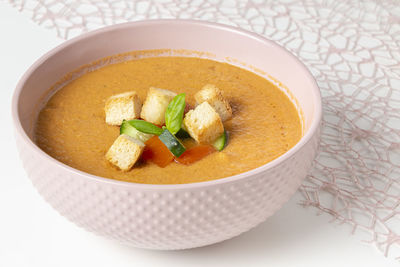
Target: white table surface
{"type": "Point", "coordinates": [33, 234]}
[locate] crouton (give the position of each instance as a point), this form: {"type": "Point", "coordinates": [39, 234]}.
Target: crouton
{"type": "Point", "coordinates": [155, 105]}
{"type": "Point", "coordinates": [215, 98]}
{"type": "Point", "coordinates": [124, 152]}
{"type": "Point", "coordinates": [125, 106]}
{"type": "Point", "coordinates": [203, 123]}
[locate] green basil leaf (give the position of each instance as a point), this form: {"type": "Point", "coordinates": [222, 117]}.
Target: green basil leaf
{"type": "Point", "coordinates": [145, 127]}
{"type": "Point", "coordinates": [174, 113]}
{"type": "Point", "coordinates": [128, 129]}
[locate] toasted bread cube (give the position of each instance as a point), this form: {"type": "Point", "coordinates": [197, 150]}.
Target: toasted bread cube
{"type": "Point", "coordinates": [155, 105]}
{"type": "Point", "coordinates": [203, 124]}
{"type": "Point", "coordinates": [124, 152]}
{"type": "Point", "coordinates": [211, 94]}
{"type": "Point", "coordinates": [125, 106]}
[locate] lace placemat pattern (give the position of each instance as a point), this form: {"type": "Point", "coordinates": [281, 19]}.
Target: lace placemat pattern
{"type": "Point", "coordinates": [353, 50]}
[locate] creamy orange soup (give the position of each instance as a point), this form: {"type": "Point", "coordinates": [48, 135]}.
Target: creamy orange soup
{"type": "Point", "coordinates": [71, 127]}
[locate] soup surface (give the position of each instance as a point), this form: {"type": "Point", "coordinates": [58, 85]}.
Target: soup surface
{"type": "Point", "coordinates": [71, 126]}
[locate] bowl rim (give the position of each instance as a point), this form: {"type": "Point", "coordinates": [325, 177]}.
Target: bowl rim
{"type": "Point", "coordinates": [315, 124]}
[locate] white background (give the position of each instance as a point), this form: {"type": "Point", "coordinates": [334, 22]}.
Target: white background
{"type": "Point", "coordinates": [33, 234]}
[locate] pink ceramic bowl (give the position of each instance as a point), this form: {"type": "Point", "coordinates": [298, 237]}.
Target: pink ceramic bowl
{"type": "Point", "coordinates": [168, 216]}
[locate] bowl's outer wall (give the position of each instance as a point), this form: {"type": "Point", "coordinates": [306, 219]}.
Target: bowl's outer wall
{"type": "Point", "coordinates": [164, 217]}
{"type": "Point", "coordinates": [173, 218]}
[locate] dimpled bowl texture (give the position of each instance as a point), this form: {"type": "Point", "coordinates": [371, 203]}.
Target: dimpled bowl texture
{"type": "Point", "coordinates": [168, 217]}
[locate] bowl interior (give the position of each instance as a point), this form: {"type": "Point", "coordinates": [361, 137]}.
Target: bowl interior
{"type": "Point", "coordinates": [222, 43]}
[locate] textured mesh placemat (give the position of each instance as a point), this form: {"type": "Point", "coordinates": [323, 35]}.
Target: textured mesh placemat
{"type": "Point", "coordinates": [352, 49]}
